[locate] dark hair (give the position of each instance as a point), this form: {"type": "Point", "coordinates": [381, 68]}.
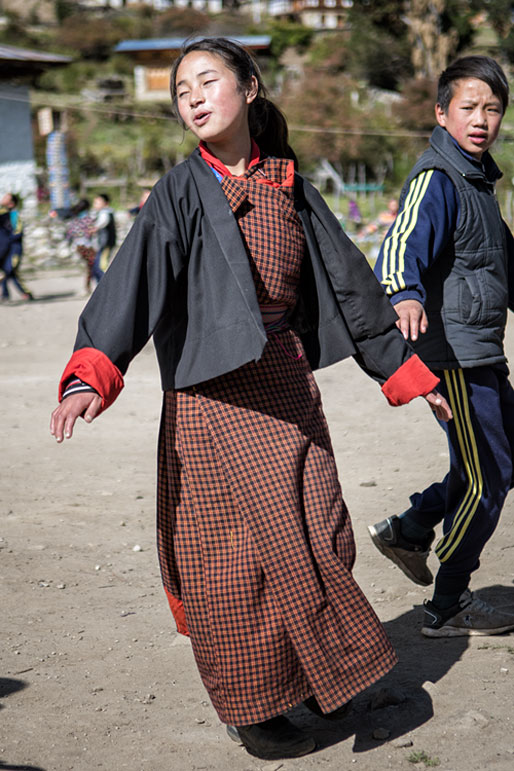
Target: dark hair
{"type": "Point", "coordinates": [15, 199]}
{"type": "Point", "coordinates": [105, 196]}
{"type": "Point", "coordinates": [480, 67]}
{"type": "Point", "coordinates": [80, 206]}
{"type": "Point", "coordinates": [268, 125]}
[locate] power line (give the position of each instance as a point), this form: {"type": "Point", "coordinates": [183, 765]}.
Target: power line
{"type": "Point", "coordinates": [92, 107]}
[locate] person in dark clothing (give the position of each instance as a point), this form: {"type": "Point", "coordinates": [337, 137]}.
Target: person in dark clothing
{"type": "Point", "coordinates": [105, 229]}
{"type": "Point", "coordinates": [12, 231]}
{"type": "Point", "coordinates": [447, 265]}
{"type": "Point", "coordinates": [246, 280]}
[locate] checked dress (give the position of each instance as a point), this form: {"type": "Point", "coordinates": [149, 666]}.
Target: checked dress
{"type": "Point", "coordinates": [253, 534]}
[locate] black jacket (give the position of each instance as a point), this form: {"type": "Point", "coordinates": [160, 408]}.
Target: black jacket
{"type": "Point", "coordinates": [183, 275]}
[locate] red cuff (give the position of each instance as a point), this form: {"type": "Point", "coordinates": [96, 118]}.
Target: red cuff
{"type": "Point", "coordinates": [177, 608]}
{"type": "Point", "coordinates": [97, 370]}
{"type": "Point", "coordinates": [412, 379]}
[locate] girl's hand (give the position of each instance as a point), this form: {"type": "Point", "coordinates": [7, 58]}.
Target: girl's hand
{"type": "Point", "coordinates": [439, 405]}
{"type": "Point", "coordinates": [64, 416]}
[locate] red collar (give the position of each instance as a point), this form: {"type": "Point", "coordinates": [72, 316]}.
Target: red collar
{"type": "Point", "coordinates": [255, 157]}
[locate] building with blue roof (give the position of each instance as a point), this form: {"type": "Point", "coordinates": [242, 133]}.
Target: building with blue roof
{"type": "Point", "coordinates": [153, 59]}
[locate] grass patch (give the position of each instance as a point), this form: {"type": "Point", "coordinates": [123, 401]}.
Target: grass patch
{"type": "Point", "coordinates": [422, 757]}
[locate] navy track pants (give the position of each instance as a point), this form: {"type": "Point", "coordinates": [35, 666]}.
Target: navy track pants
{"type": "Point", "coordinates": [470, 498]}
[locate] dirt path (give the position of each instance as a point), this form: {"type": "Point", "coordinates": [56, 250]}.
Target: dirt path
{"type": "Point", "coordinates": [93, 675]}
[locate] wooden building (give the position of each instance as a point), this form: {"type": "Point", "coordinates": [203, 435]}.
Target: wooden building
{"type": "Point", "coordinates": [153, 59]}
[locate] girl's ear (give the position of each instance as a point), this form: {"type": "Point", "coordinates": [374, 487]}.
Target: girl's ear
{"type": "Point", "coordinates": [252, 90]}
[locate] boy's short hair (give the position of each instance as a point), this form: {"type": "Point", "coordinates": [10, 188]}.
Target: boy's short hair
{"type": "Point", "coordinates": [105, 196]}
{"type": "Point", "coordinates": [480, 67]}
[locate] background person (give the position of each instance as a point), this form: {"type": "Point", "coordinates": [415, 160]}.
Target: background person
{"type": "Point", "coordinates": [105, 229]}
{"type": "Point", "coordinates": [81, 232]}
{"type": "Point", "coordinates": [12, 259]}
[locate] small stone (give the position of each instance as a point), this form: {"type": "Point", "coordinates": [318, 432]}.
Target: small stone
{"type": "Point", "coordinates": [381, 733]}
{"type": "Point", "coordinates": [371, 483]}
{"type": "Point", "coordinates": [98, 567]}
{"type": "Point", "coordinates": [504, 670]}
{"type": "Point", "coordinates": [61, 586]}
{"type": "Point", "coordinates": [472, 720]}
{"type": "Point", "coordinates": [137, 547]}
{"type": "Point", "coordinates": [402, 742]}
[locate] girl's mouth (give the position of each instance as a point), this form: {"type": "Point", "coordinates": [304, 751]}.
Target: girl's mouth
{"type": "Point", "coordinates": [201, 118]}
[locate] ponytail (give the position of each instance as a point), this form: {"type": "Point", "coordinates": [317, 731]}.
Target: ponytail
{"type": "Point", "coordinates": [268, 126]}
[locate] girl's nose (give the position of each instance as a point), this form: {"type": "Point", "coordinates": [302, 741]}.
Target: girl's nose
{"type": "Point", "coordinates": [196, 98]}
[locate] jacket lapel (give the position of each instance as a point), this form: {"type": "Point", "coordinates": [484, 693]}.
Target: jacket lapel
{"type": "Point", "coordinates": [226, 230]}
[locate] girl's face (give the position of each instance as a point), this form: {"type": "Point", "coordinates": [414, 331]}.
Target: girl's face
{"type": "Point", "coordinates": [210, 100]}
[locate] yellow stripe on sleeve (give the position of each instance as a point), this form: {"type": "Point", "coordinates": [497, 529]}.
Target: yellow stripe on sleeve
{"type": "Point", "coordinates": [393, 263]}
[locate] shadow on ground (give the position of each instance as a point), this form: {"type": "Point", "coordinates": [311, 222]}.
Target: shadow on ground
{"type": "Point", "coordinates": [399, 702]}
{"type": "Point", "coordinates": [9, 685]}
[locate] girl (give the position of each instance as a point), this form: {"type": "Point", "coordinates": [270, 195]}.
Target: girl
{"type": "Point", "coordinates": [80, 231]}
{"type": "Point", "coordinates": [247, 282]}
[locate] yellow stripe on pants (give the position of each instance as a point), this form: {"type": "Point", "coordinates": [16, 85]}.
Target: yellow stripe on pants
{"type": "Point", "coordinates": [467, 442]}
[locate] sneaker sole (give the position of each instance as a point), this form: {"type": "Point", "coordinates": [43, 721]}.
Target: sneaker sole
{"type": "Point", "coordinates": [392, 555]}
{"type": "Point", "coordinates": [455, 631]}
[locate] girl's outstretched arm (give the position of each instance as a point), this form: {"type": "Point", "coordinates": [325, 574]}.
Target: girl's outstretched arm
{"type": "Point", "coordinates": [439, 405]}
{"type": "Point", "coordinates": [64, 416]}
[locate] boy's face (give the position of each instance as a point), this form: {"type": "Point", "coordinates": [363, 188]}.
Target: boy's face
{"type": "Point", "coordinates": [473, 117]}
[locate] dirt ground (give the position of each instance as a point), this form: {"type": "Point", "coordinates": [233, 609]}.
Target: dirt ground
{"type": "Point", "coordinates": [93, 674]}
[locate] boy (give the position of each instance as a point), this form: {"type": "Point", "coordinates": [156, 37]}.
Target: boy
{"type": "Point", "coordinates": [105, 228]}
{"type": "Point", "coordinates": [445, 265]}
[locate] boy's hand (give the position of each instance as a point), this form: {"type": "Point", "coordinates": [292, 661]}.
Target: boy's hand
{"type": "Point", "coordinates": [439, 405]}
{"type": "Point", "coordinates": [64, 416]}
{"type": "Point", "coordinates": [412, 318]}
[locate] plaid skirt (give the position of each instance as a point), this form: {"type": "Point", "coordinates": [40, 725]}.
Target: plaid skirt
{"type": "Point", "coordinates": [255, 538]}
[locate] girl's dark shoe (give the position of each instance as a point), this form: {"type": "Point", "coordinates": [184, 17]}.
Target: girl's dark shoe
{"type": "Point", "coordinates": [336, 714]}
{"type": "Point", "coordinates": [273, 739]}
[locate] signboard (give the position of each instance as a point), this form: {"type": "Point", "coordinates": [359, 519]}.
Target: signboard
{"type": "Point", "coordinates": [45, 121]}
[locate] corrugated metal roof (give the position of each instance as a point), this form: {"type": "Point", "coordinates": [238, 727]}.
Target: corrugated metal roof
{"type": "Point", "coordinates": [14, 54]}
{"type": "Point", "coordinates": [174, 43]}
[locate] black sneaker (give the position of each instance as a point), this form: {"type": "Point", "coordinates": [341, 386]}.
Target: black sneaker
{"type": "Point", "coordinates": [410, 557]}
{"type": "Point", "coordinates": [273, 739]}
{"type": "Point", "coordinates": [470, 616]}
